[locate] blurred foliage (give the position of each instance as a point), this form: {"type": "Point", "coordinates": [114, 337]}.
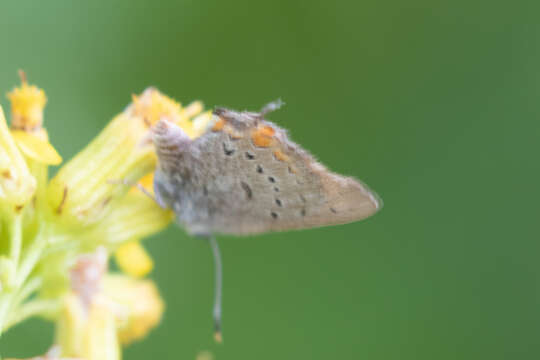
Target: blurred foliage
{"type": "Point", "coordinates": [433, 104]}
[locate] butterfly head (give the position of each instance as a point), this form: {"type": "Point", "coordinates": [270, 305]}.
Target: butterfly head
{"type": "Point", "coordinates": [169, 140]}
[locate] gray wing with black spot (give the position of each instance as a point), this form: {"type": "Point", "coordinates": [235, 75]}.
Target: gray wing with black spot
{"type": "Point", "coordinates": [234, 183]}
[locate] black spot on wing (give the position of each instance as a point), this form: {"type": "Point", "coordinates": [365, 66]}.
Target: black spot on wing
{"type": "Point", "coordinates": [247, 189]}
{"type": "Point", "coordinates": [227, 150]}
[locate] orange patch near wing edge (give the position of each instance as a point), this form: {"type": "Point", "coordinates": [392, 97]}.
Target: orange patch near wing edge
{"type": "Point", "coordinates": [262, 136]}
{"type": "Point", "coordinates": [218, 125]}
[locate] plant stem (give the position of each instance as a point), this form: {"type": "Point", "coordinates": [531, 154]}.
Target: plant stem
{"type": "Point", "coordinates": [32, 308]}
{"type": "Point", "coordinates": [16, 240]}
{"type": "Point", "coordinates": [28, 289]}
{"type": "Point", "coordinates": [5, 302]}
{"type": "Point", "coordinates": [31, 257]}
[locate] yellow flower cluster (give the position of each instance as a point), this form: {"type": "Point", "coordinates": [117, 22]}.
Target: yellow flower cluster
{"type": "Point", "coordinates": [47, 226]}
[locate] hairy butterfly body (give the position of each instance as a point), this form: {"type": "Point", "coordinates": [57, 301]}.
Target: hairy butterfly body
{"type": "Point", "coordinates": [244, 176]}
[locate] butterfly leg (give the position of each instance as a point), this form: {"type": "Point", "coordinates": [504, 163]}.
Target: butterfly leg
{"type": "Point", "coordinates": [141, 188]}
{"type": "Point", "coordinates": [218, 287]}
{"type": "Point", "coordinates": [218, 283]}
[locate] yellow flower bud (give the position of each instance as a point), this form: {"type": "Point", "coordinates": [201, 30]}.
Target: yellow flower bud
{"type": "Point", "coordinates": [17, 185]}
{"type": "Point", "coordinates": [141, 303]}
{"type": "Point", "coordinates": [133, 259]}
{"type": "Point", "coordinates": [27, 104]}
{"type": "Point", "coordinates": [87, 327]}
{"type": "Point", "coordinates": [153, 105]}
{"type": "Point", "coordinates": [71, 326]}
{"type": "Point", "coordinates": [101, 340]}
{"type": "Point", "coordinates": [88, 333]}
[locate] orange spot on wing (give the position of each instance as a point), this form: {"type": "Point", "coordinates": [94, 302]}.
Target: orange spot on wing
{"type": "Point", "coordinates": [235, 135]}
{"type": "Point", "coordinates": [267, 130]}
{"type": "Point", "coordinates": [280, 155]}
{"type": "Point", "coordinates": [262, 136]}
{"type": "Point", "coordinates": [218, 125]}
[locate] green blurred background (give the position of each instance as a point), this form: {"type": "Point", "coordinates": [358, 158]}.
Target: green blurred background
{"type": "Point", "coordinates": [434, 104]}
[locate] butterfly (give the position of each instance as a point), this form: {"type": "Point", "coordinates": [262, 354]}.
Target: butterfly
{"type": "Point", "coordinates": [245, 176]}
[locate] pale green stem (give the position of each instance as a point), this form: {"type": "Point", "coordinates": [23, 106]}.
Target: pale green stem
{"type": "Point", "coordinates": [32, 308]}
{"type": "Point", "coordinates": [63, 243]}
{"type": "Point", "coordinates": [5, 302]}
{"type": "Point", "coordinates": [9, 303]}
{"type": "Point", "coordinates": [30, 287]}
{"type": "Point", "coordinates": [16, 240]}
{"type": "Point", "coordinates": [15, 246]}
{"type": "Point", "coordinates": [31, 257]}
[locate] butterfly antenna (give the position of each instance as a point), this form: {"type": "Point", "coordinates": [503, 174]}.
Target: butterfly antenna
{"type": "Point", "coordinates": [218, 289]}
{"type": "Point", "coordinates": [270, 107]}
{"type": "Point", "coordinates": [139, 186]}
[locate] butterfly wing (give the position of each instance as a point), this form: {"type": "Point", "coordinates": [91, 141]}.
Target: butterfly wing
{"type": "Point", "coordinates": [246, 176]}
